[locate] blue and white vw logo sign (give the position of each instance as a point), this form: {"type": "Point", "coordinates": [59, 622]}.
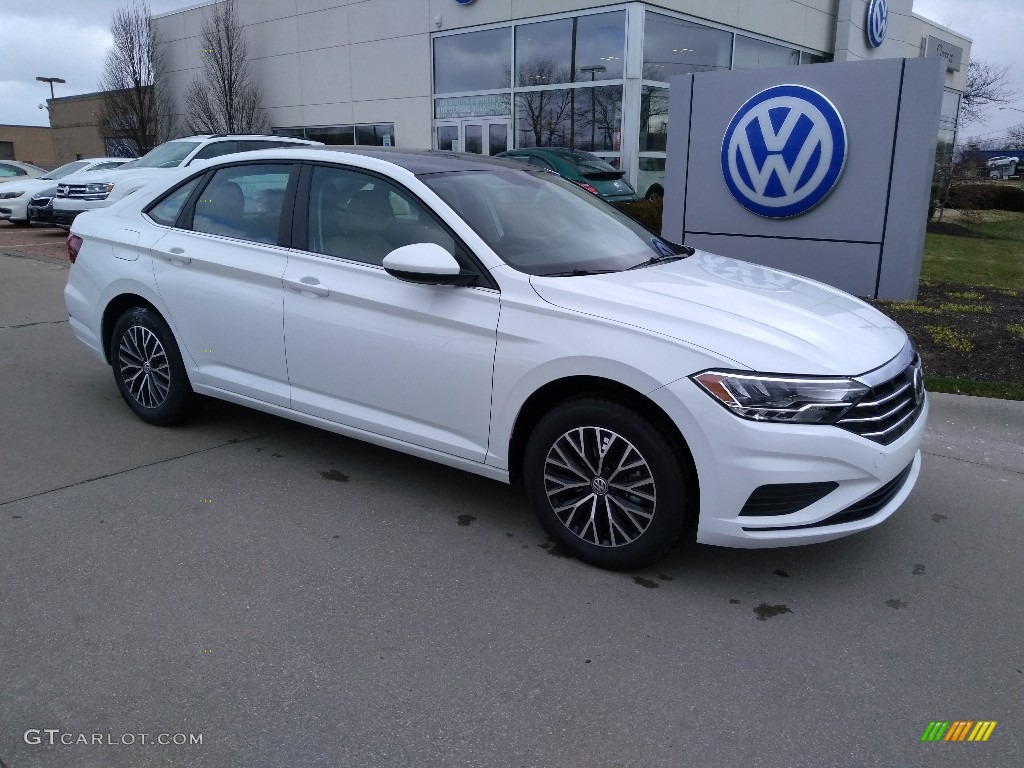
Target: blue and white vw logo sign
{"type": "Point", "coordinates": [877, 22]}
{"type": "Point", "coordinates": [784, 151]}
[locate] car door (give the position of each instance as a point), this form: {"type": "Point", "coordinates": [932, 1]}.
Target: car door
{"type": "Point", "coordinates": [219, 271]}
{"type": "Point", "coordinates": [406, 361]}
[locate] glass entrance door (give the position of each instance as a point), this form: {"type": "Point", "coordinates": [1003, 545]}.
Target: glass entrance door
{"type": "Point", "coordinates": [481, 136]}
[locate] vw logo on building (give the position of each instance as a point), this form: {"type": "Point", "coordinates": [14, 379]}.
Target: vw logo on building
{"type": "Point", "coordinates": [784, 151]}
{"type": "Point", "coordinates": [877, 21]}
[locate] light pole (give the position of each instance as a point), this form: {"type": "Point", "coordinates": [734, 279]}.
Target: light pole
{"type": "Point", "coordinates": [51, 81]}
{"type": "Point", "coordinates": [593, 110]}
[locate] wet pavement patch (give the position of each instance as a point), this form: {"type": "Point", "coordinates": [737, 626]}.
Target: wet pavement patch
{"type": "Point", "coordinates": [335, 475]}
{"type": "Point", "coordinates": [897, 604]}
{"type": "Point", "coordinates": [765, 611]}
{"type": "Point", "coordinates": [936, 517]}
{"type": "Point", "coordinates": [649, 583]}
{"type": "Point", "coordinates": [663, 577]}
{"type": "Point", "coordinates": [465, 519]}
{"type": "Point", "coordinates": [553, 549]}
{"type": "Point", "coordinates": [918, 569]}
{"type": "Point", "coordinates": [780, 572]}
{"type": "Point", "coordinates": [733, 601]}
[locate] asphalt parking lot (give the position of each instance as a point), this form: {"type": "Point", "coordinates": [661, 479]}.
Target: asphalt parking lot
{"type": "Point", "coordinates": [297, 598]}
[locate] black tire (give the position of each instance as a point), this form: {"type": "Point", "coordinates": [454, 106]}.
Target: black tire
{"type": "Point", "coordinates": [148, 368]}
{"type": "Point", "coordinates": [19, 222]}
{"type": "Point", "coordinates": [621, 529]}
{"type": "Point", "coordinates": [655, 192]}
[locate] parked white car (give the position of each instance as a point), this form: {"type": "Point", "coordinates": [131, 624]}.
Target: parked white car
{"type": "Point", "coordinates": [12, 170]}
{"type": "Point", "coordinates": [14, 197]}
{"type": "Point", "coordinates": [499, 319]}
{"type": "Point", "coordinates": [77, 196]}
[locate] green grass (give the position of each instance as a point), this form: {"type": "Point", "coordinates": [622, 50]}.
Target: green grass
{"type": "Point", "coordinates": [1002, 390]}
{"type": "Point", "coordinates": [996, 261]}
{"type": "Point", "coordinates": [979, 309]}
{"type": "Point", "coordinates": [1016, 329]}
{"type": "Point", "coordinates": [947, 337]}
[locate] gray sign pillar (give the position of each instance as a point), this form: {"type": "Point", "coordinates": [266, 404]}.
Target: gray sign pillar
{"type": "Point", "coordinates": [822, 170]}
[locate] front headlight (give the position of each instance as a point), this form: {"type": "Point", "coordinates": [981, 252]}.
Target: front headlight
{"type": "Point", "coordinates": [98, 189]}
{"type": "Point", "coordinates": [10, 195]}
{"type": "Point", "coordinates": [787, 399]}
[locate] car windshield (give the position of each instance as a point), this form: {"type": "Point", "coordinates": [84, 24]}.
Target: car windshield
{"type": "Point", "coordinates": [541, 224]}
{"type": "Point", "coordinates": [65, 170]}
{"type": "Point", "coordinates": [166, 155]}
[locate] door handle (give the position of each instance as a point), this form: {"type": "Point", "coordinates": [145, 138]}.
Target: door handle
{"type": "Point", "coordinates": [308, 285]}
{"type": "Point", "coordinates": [175, 255]}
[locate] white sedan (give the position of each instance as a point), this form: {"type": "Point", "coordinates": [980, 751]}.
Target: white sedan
{"type": "Point", "coordinates": [12, 170]}
{"type": "Point", "coordinates": [498, 319]}
{"type": "Point", "coordinates": [14, 197]}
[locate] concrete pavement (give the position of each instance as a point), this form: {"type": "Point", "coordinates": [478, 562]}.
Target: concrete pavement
{"type": "Point", "coordinates": [302, 599]}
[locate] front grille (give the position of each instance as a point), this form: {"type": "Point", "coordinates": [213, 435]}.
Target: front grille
{"type": "Point", "coordinates": [785, 498]}
{"type": "Point", "coordinates": [870, 505]}
{"type": "Point", "coordinates": [71, 190]}
{"type": "Point", "coordinates": [39, 202]}
{"type": "Point", "coordinates": [888, 410]}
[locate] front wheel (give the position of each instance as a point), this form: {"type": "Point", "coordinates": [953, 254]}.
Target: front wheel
{"type": "Point", "coordinates": [607, 484]}
{"type": "Point", "coordinates": [148, 368]}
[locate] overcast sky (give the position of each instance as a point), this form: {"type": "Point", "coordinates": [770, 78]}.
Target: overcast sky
{"type": "Point", "coordinates": [68, 39]}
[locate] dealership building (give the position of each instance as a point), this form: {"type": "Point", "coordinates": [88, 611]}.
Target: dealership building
{"type": "Point", "coordinates": [491, 75]}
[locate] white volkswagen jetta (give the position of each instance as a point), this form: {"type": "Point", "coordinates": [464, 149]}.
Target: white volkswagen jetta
{"type": "Point", "coordinates": [501, 320]}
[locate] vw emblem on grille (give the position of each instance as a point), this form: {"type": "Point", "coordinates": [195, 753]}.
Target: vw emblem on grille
{"type": "Point", "coordinates": [918, 386]}
{"type": "Point", "coordinates": [599, 486]}
{"type": "Point", "coordinates": [877, 21]}
{"type": "Point", "coordinates": [784, 151]}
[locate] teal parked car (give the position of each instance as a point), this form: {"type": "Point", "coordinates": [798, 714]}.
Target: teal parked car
{"type": "Point", "coordinates": [589, 171]}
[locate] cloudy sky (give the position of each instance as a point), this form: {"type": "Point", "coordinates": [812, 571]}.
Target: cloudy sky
{"type": "Point", "coordinates": [68, 38]}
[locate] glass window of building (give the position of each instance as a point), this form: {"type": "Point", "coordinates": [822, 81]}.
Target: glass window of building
{"type": "Point", "coordinates": [677, 47]}
{"type": "Point", "coordinates": [653, 119]}
{"type": "Point", "coordinates": [600, 46]}
{"type": "Point", "coordinates": [947, 125]}
{"type": "Point", "coordinates": [473, 61]}
{"type": "Point", "coordinates": [544, 53]}
{"type": "Point", "coordinates": [813, 58]}
{"type": "Point", "coordinates": [332, 134]}
{"type": "Point", "coordinates": [582, 118]}
{"type": "Point", "coordinates": [757, 54]}
{"type": "Point", "coordinates": [580, 49]}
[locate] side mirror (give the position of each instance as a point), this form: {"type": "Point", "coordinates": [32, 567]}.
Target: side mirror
{"type": "Point", "coordinates": [424, 263]}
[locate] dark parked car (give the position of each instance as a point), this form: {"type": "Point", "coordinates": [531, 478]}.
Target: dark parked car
{"type": "Point", "coordinates": [592, 173]}
{"type": "Point", "coordinates": [40, 208]}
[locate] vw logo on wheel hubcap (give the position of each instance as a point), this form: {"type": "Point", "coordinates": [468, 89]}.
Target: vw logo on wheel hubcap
{"type": "Point", "coordinates": [599, 486]}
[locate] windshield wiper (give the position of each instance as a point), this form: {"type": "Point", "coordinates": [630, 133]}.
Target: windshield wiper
{"type": "Point", "coordinates": [657, 260]}
{"type": "Point", "coordinates": [579, 273]}
{"type": "Point", "coordinates": [666, 252]}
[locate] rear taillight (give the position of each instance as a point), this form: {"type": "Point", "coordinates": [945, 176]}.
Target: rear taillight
{"type": "Point", "coordinates": [74, 246]}
{"type": "Point", "coordinates": [590, 189]}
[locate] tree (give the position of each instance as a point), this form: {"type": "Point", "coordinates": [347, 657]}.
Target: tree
{"type": "Point", "coordinates": [133, 119]}
{"type": "Point", "coordinates": [223, 99]}
{"type": "Point", "coordinates": [1014, 138]}
{"type": "Point", "coordinates": [986, 86]}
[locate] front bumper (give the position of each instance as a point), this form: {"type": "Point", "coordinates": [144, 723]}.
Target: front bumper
{"type": "Point", "coordinates": [736, 457]}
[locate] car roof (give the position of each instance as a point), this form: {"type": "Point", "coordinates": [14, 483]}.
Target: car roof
{"type": "Point", "coordinates": [423, 161]}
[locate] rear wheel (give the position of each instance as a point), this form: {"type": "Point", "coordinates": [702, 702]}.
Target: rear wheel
{"type": "Point", "coordinates": [607, 484]}
{"type": "Point", "coordinates": [148, 368]}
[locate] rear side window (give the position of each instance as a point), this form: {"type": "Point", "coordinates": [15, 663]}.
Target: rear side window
{"type": "Point", "coordinates": [244, 202]}
{"type": "Point", "coordinates": [216, 149]}
{"type": "Point", "coordinates": [540, 162]}
{"type": "Point", "coordinates": [166, 211]}
{"type": "Point", "coordinates": [11, 170]}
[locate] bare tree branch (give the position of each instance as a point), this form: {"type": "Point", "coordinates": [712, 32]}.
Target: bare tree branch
{"type": "Point", "coordinates": [223, 99]}
{"type": "Point", "coordinates": [987, 85]}
{"type": "Point", "coordinates": [134, 118]}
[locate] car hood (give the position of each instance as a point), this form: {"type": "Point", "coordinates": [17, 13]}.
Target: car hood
{"type": "Point", "coordinates": [29, 186]}
{"type": "Point", "coordinates": [132, 178]}
{"type": "Point", "coordinates": [759, 318]}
